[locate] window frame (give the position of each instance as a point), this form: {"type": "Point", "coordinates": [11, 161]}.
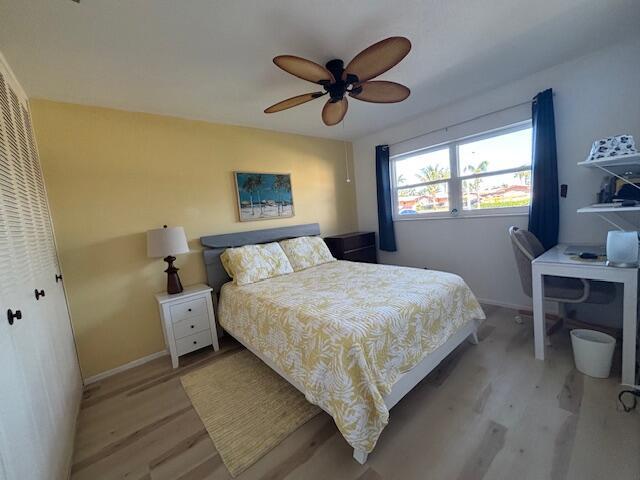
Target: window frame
{"type": "Point", "coordinates": [455, 180]}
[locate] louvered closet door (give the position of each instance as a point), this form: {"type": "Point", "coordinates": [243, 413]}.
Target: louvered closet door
{"type": "Point", "coordinates": [42, 343]}
{"type": "Point", "coordinates": [18, 407]}
{"type": "Point", "coordinates": [53, 335]}
{"type": "Point", "coordinates": [43, 256]}
{"type": "Point", "coordinates": [63, 391]}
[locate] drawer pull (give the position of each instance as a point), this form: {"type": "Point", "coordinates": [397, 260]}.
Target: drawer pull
{"type": "Point", "coordinates": [11, 316]}
{"type": "Point", "coordinates": [191, 326]}
{"type": "Point", "coordinates": [189, 309]}
{"type": "Point", "coordinates": [195, 343]}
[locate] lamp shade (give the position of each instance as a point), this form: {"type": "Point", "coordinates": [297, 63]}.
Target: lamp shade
{"type": "Point", "coordinates": [163, 242]}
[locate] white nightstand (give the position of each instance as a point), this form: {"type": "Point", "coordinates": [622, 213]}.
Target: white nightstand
{"type": "Point", "coordinates": [188, 321]}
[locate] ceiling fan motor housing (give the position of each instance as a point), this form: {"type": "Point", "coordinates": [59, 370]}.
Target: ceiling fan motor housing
{"type": "Point", "coordinates": [339, 87]}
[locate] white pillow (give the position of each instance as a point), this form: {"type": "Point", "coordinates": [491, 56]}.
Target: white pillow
{"type": "Point", "coordinates": [306, 252]}
{"type": "Point", "coordinates": [253, 263]}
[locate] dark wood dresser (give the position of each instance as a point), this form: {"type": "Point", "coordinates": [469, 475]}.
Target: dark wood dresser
{"type": "Point", "coordinates": [355, 246]}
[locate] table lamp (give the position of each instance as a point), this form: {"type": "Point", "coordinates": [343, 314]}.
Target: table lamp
{"type": "Point", "coordinates": [167, 242]}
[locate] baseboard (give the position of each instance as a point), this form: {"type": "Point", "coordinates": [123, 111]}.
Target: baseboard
{"type": "Point", "coordinates": [497, 303]}
{"type": "Point", "coordinates": [550, 308]}
{"type": "Point", "coordinates": [126, 366]}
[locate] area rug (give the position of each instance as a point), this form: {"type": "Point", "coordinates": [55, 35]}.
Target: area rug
{"type": "Point", "coordinates": [246, 407]}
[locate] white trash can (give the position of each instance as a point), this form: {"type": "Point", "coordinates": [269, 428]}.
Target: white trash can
{"type": "Point", "coordinates": [593, 352]}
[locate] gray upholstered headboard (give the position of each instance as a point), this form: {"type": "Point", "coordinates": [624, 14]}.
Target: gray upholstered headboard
{"type": "Point", "coordinates": [216, 244]}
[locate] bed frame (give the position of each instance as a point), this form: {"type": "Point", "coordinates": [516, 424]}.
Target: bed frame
{"type": "Point", "coordinates": [217, 276]}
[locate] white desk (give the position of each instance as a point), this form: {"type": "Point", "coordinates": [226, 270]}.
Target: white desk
{"type": "Point", "coordinates": [555, 262]}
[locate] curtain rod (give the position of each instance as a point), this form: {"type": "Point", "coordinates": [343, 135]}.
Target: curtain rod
{"type": "Point", "coordinates": [528, 102]}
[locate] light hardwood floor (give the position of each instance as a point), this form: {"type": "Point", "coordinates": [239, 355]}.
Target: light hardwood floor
{"type": "Point", "coordinates": [488, 412]}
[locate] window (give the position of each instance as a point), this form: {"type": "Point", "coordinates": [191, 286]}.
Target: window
{"type": "Point", "coordinates": [483, 174]}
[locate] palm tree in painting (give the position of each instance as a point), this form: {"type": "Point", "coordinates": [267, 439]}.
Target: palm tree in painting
{"type": "Point", "coordinates": [281, 184]}
{"type": "Point", "coordinates": [258, 183]}
{"type": "Point", "coordinates": [287, 190]}
{"type": "Point", "coordinates": [252, 185]}
{"type": "Point", "coordinates": [249, 186]}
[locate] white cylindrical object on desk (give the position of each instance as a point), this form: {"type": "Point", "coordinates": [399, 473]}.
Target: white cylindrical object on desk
{"type": "Point", "coordinates": [622, 249]}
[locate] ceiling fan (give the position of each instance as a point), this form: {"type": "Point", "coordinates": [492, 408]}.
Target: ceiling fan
{"type": "Point", "coordinates": [354, 80]}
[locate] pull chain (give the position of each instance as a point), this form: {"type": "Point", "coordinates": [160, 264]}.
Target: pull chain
{"type": "Point", "coordinates": [346, 157]}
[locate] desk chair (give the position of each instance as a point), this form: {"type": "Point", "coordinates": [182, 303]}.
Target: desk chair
{"type": "Point", "coordinates": [563, 290]}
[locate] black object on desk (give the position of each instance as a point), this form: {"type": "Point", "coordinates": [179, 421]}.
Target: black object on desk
{"type": "Point", "coordinates": [355, 246]}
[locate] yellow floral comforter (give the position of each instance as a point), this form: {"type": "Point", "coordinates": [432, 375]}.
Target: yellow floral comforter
{"type": "Point", "coordinates": [346, 331]}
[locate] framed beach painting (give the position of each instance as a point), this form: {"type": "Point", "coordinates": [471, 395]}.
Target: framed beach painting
{"type": "Point", "coordinates": [264, 196]}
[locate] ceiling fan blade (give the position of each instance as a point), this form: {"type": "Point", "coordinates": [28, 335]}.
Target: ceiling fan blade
{"type": "Point", "coordinates": [293, 102]}
{"type": "Point", "coordinates": [334, 112]}
{"type": "Point", "coordinates": [381, 91]}
{"type": "Point", "coordinates": [378, 58]}
{"type": "Point", "coordinates": [304, 69]}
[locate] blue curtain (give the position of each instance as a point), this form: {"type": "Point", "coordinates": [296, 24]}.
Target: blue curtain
{"type": "Point", "coordinates": [387, 236]}
{"type": "Point", "coordinates": [544, 209]}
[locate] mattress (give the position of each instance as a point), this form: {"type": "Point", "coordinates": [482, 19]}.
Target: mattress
{"type": "Point", "coordinates": [346, 331]}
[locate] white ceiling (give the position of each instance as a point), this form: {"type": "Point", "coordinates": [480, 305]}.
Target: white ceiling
{"type": "Point", "coordinates": [211, 59]}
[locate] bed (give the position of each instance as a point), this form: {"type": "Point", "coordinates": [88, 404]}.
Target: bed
{"type": "Point", "coordinates": [353, 337]}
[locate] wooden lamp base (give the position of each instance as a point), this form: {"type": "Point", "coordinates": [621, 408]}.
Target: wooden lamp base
{"type": "Point", "coordinates": [173, 280]}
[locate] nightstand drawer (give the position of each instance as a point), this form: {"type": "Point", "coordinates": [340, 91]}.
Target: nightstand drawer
{"type": "Point", "coordinates": [191, 308]}
{"type": "Point", "coordinates": [193, 342]}
{"type": "Point", "coordinates": [357, 241]}
{"type": "Point", "coordinates": [191, 325]}
{"type": "Point", "coordinates": [366, 255]}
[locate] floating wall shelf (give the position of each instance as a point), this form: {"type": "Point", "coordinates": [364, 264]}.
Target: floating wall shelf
{"type": "Point", "coordinates": [627, 164]}
{"type": "Point", "coordinates": [618, 167]}
{"type": "Point", "coordinates": [608, 209]}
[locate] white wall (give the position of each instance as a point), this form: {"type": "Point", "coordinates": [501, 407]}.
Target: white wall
{"type": "Point", "coordinates": [596, 96]}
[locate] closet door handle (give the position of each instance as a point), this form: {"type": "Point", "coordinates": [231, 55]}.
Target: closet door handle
{"type": "Point", "coordinates": [38, 294]}
{"type": "Point", "coordinates": [58, 278]}
{"type": "Point", "coordinates": [11, 316]}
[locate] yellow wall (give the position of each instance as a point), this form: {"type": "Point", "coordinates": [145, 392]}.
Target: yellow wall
{"type": "Point", "coordinates": [111, 175]}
